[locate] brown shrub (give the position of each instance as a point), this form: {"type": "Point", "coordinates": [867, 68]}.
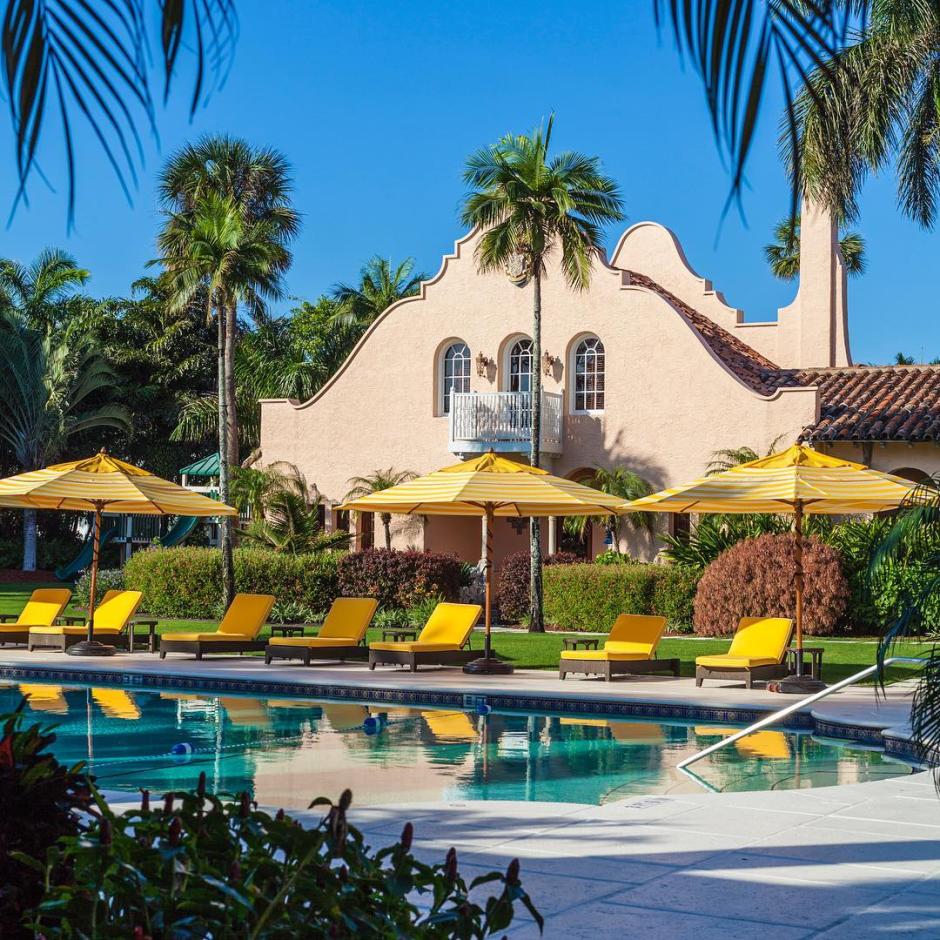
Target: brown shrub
{"type": "Point", "coordinates": [754, 578]}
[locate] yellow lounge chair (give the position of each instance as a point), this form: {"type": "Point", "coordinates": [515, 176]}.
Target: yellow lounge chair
{"type": "Point", "coordinates": [237, 633]}
{"type": "Point", "coordinates": [42, 609]}
{"type": "Point", "coordinates": [629, 650]}
{"type": "Point", "coordinates": [440, 643]}
{"type": "Point", "coordinates": [112, 617]}
{"type": "Point", "coordinates": [341, 637]}
{"type": "Point", "coordinates": [757, 652]}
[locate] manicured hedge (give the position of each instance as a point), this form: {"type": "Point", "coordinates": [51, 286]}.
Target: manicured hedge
{"type": "Point", "coordinates": [187, 582]}
{"type": "Point", "coordinates": [400, 579]}
{"type": "Point", "coordinates": [591, 597]}
{"type": "Point", "coordinates": [754, 578]}
{"type": "Point", "coordinates": [512, 582]}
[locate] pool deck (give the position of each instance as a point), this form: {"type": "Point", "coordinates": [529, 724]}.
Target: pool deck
{"type": "Point", "coordinates": [851, 861]}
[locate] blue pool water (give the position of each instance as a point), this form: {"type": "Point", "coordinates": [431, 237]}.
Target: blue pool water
{"type": "Point", "coordinates": [289, 751]}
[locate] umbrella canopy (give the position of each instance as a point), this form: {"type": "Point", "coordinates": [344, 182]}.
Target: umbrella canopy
{"type": "Point", "coordinates": [798, 476]}
{"type": "Point", "coordinates": [96, 484]}
{"type": "Point", "coordinates": [104, 481]}
{"type": "Point", "coordinates": [490, 483]}
{"type": "Point", "coordinates": [489, 486]}
{"type": "Point", "coordinates": [798, 480]}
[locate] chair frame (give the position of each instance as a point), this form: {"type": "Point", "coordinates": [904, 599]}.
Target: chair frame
{"type": "Point", "coordinates": [608, 668]}
{"type": "Point", "coordinates": [62, 641]}
{"type": "Point", "coordinates": [15, 638]}
{"type": "Point", "coordinates": [308, 653]}
{"type": "Point", "coordinates": [199, 647]}
{"type": "Point", "coordinates": [747, 673]}
{"type": "Point", "coordinates": [415, 658]}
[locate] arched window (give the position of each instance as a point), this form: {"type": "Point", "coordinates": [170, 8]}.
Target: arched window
{"type": "Point", "coordinates": [455, 375]}
{"type": "Point", "coordinates": [520, 366]}
{"type": "Point", "coordinates": [589, 375]}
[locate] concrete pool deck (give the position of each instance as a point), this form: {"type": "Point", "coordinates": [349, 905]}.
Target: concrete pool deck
{"type": "Point", "coordinates": [850, 861]}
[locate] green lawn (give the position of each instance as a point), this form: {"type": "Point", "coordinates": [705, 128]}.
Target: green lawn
{"type": "Point", "coordinates": [541, 651]}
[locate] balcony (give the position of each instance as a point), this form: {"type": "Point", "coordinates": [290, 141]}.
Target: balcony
{"type": "Point", "coordinates": [502, 421]}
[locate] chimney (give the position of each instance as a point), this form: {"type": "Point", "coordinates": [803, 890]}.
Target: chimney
{"type": "Point", "coordinates": [814, 328]}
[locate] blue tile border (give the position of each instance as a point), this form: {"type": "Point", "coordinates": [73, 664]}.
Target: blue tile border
{"type": "Point", "coordinates": [895, 747]}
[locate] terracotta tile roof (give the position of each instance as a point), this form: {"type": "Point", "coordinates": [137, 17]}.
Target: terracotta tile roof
{"type": "Point", "coordinates": [747, 364]}
{"type": "Point", "coordinates": [873, 403]}
{"type": "Point", "coordinates": [857, 403]}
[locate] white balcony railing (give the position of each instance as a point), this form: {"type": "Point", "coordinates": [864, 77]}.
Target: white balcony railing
{"type": "Point", "coordinates": [502, 421]}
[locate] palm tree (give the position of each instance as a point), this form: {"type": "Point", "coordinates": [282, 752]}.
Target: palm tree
{"type": "Point", "coordinates": [376, 482]}
{"type": "Point", "coordinates": [46, 291]}
{"type": "Point", "coordinates": [212, 249]}
{"type": "Point", "coordinates": [94, 59]}
{"type": "Point", "coordinates": [54, 385]}
{"type": "Point", "coordinates": [529, 205]}
{"type": "Point", "coordinates": [628, 485]}
{"type": "Point", "coordinates": [257, 183]}
{"type": "Point", "coordinates": [381, 284]}
{"type": "Point", "coordinates": [783, 254]}
{"type": "Point", "coordinates": [902, 360]}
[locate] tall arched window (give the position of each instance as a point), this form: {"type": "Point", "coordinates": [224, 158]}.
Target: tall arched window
{"type": "Point", "coordinates": [455, 374]}
{"type": "Point", "coordinates": [589, 375]}
{"type": "Point", "coordinates": [520, 366]}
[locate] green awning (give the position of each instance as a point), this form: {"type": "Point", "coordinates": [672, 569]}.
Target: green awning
{"type": "Point", "coordinates": [204, 467]}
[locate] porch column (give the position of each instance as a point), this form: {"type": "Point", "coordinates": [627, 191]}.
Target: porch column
{"type": "Point", "coordinates": [482, 564]}
{"type": "Point", "coordinates": [552, 535]}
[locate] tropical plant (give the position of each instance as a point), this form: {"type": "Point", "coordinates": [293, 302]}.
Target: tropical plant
{"type": "Point", "coordinates": [285, 513]}
{"type": "Point", "coordinates": [783, 254]}
{"type": "Point", "coordinates": [917, 530]}
{"type": "Point", "coordinates": [729, 457]}
{"type": "Point", "coordinates": [94, 58]}
{"type": "Point", "coordinates": [901, 360]}
{"type": "Point", "coordinates": [527, 206]}
{"type": "Point", "coordinates": [871, 103]}
{"type": "Point", "coordinates": [46, 292]}
{"type": "Point", "coordinates": [325, 342]}
{"type": "Point", "coordinates": [254, 184]}
{"type": "Point", "coordinates": [381, 284]}
{"type": "Point", "coordinates": [54, 385]}
{"type": "Point", "coordinates": [377, 481]}
{"type": "Point", "coordinates": [627, 485]}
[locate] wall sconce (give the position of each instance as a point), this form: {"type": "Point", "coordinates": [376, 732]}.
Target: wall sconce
{"type": "Point", "coordinates": [483, 363]}
{"type": "Point", "coordinates": [549, 362]}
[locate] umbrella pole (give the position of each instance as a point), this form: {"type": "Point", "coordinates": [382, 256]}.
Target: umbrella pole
{"type": "Point", "coordinates": [90, 646]}
{"type": "Point", "coordinates": [488, 663]}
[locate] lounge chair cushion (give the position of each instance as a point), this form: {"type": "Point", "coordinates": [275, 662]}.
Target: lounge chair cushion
{"type": "Point", "coordinates": [245, 617]}
{"type": "Point", "coordinates": [449, 624]}
{"type": "Point", "coordinates": [635, 633]}
{"type": "Point", "coordinates": [415, 647]}
{"type": "Point", "coordinates": [348, 617]}
{"type": "Point", "coordinates": [315, 642]}
{"type": "Point", "coordinates": [727, 661]}
{"type": "Point", "coordinates": [762, 638]}
{"type": "Point", "coordinates": [43, 606]}
{"type": "Point", "coordinates": [605, 655]}
{"type": "Point", "coordinates": [116, 609]}
{"type": "Point", "coordinates": [75, 630]}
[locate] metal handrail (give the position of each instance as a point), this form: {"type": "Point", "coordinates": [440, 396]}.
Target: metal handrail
{"type": "Point", "coordinates": [789, 710]}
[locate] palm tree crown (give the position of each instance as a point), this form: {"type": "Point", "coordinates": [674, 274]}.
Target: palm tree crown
{"type": "Point", "coordinates": [783, 254]}
{"type": "Point", "coordinates": [381, 284]}
{"type": "Point", "coordinates": [377, 481]}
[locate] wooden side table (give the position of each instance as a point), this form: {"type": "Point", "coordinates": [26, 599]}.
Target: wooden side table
{"type": "Point", "coordinates": [399, 634]}
{"type": "Point", "coordinates": [573, 642]}
{"type": "Point", "coordinates": [287, 629]}
{"type": "Point", "coordinates": [151, 624]}
{"type": "Point", "coordinates": [815, 654]}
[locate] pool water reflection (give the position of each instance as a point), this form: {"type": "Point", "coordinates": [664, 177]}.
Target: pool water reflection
{"type": "Point", "coordinates": [288, 751]}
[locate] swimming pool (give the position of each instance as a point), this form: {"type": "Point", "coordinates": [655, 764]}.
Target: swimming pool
{"type": "Point", "coordinates": [288, 751]}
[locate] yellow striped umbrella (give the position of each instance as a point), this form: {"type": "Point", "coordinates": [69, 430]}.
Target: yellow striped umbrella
{"type": "Point", "coordinates": [799, 480]}
{"type": "Point", "coordinates": [98, 483]}
{"type": "Point", "coordinates": [489, 486]}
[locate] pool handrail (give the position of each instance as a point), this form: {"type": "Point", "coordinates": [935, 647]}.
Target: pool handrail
{"type": "Point", "coordinates": [789, 710]}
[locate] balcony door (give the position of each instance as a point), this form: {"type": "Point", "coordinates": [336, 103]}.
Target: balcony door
{"type": "Point", "coordinates": [520, 383]}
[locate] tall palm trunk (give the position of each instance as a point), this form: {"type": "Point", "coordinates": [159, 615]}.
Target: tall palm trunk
{"type": "Point", "coordinates": [29, 539]}
{"type": "Point", "coordinates": [228, 579]}
{"type": "Point", "coordinates": [536, 621]}
{"type": "Point", "coordinates": [231, 340]}
{"type": "Point", "coordinates": [387, 525]}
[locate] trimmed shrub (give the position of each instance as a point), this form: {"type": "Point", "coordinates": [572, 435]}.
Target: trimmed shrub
{"type": "Point", "coordinates": [400, 579]}
{"type": "Point", "coordinates": [755, 578]}
{"type": "Point", "coordinates": [674, 595]}
{"type": "Point", "coordinates": [109, 579]}
{"type": "Point", "coordinates": [186, 582]}
{"type": "Point", "coordinates": [512, 583]}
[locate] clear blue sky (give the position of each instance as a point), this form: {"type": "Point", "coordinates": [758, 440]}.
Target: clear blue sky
{"type": "Point", "coordinates": [376, 105]}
